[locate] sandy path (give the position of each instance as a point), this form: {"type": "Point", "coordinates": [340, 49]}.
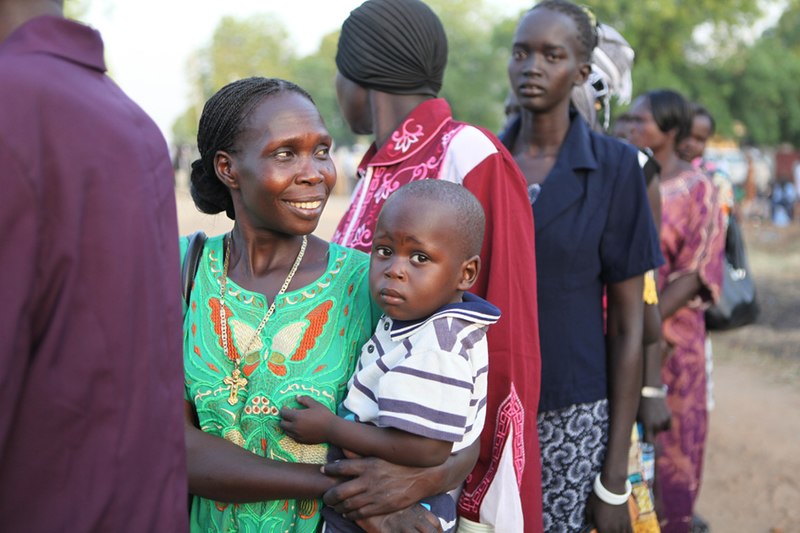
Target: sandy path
{"type": "Point", "coordinates": [752, 470]}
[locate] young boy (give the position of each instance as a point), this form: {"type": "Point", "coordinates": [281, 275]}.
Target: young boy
{"type": "Point", "coordinates": [419, 391]}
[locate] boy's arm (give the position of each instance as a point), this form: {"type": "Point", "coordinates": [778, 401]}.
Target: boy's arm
{"type": "Point", "coordinates": [317, 424]}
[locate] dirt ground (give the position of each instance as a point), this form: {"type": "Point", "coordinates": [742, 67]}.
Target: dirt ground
{"type": "Point", "coordinates": [752, 472]}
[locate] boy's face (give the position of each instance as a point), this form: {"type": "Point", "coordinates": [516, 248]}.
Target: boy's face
{"type": "Point", "coordinates": [417, 263]}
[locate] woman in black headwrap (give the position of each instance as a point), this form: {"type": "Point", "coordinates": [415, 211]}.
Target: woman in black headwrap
{"type": "Point", "coordinates": [405, 57]}
{"type": "Point", "coordinates": [391, 60]}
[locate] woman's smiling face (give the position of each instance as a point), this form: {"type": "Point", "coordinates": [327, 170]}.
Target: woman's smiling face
{"type": "Point", "coordinates": [283, 166]}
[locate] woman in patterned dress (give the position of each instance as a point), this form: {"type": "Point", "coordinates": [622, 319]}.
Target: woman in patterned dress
{"type": "Point", "coordinates": [692, 242]}
{"type": "Point", "coordinates": [274, 311]}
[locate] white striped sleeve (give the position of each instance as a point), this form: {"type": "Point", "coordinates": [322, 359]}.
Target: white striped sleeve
{"type": "Point", "coordinates": [427, 394]}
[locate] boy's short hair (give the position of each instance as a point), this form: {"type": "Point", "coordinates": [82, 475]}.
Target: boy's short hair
{"type": "Point", "coordinates": [454, 202]}
{"type": "Point", "coordinates": [393, 46]}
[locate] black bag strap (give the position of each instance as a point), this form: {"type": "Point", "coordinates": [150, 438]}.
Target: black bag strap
{"type": "Point", "coordinates": [191, 261]}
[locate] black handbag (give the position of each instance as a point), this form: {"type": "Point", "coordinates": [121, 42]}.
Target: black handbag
{"type": "Point", "coordinates": [191, 261]}
{"type": "Point", "coordinates": [737, 305]}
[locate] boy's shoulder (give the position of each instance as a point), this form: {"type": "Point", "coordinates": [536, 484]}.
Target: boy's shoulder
{"type": "Point", "coordinates": [446, 324]}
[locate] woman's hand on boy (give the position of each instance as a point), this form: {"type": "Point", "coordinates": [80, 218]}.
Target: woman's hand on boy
{"type": "Point", "coordinates": [312, 425]}
{"type": "Point", "coordinates": [376, 487]}
{"type": "Point", "coordinates": [415, 519]}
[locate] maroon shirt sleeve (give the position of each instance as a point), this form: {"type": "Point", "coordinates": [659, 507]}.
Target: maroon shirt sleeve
{"type": "Point", "coordinates": [508, 280]}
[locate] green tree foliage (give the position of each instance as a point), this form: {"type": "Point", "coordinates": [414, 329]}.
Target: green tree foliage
{"type": "Point", "coordinates": [239, 48]}
{"type": "Point", "coordinates": [704, 48]}
{"type": "Point", "coordinates": [679, 45]}
{"type": "Point", "coordinates": [316, 73]}
{"type": "Point", "coordinates": [476, 80]}
{"type": "Point", "coordinates": [767, 99]}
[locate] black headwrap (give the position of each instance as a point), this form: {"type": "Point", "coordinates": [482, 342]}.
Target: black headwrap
{"type": "Point", "coordinates": [394, 46]}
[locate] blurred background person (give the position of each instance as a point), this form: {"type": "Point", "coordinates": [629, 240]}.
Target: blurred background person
{"type": "Point", "coordinates": [90, 377]}
{"type": "Point", "coordinates": [692, 242]}
{"type": "Point", "coordinates": [693, 149]}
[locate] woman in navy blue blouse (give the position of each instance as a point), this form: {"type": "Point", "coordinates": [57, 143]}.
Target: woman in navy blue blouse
{"type": "Point", "coordinates": [594, 230]}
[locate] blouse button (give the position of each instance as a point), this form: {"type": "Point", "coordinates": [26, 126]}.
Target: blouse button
{"type": "Point", "coordinates": [385, 326]}
{"type": "Point", "coordinates": [370, 348]}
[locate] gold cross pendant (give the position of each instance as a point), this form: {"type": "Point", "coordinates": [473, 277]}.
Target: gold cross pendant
{"type": "Point", "coordinates": [234, 382]}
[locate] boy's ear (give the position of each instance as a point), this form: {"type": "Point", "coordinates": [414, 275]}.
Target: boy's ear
{"type": "Point", "coordinates": [223, 166]}
{"type": "Point", "coordinates": [469, 273]}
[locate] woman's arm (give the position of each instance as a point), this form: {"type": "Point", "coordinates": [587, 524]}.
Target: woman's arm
{"type": "Point", "coordinates": [624, 340]}
{"type": "Point", "coordinates": [222, 471]}
{"type": "Point", "coordinates": [654, 414]}
{"type": "Point", "coordinates": [316, 424]}
{"type": "Point", "coordinates": [378, 487]}
{"type": "Point", "coordinates": [678, 292]}
{"type": "Point", "coordinates": [654, 199]}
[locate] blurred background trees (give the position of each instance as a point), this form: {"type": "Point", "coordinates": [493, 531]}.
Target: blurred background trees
{"type": "Point", "coordinates": [740, 58]}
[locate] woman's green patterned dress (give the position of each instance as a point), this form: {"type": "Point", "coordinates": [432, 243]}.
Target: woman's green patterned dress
{"type": "Point", "coordinates": [309, 346]}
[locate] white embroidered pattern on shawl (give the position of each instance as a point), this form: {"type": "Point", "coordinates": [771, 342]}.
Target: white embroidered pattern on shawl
{"type": "Point", "coordinates": [403, 138]}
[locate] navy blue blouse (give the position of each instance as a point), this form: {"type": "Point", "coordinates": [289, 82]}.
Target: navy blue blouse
{"type": "Point", "coordinates": [594, 227]}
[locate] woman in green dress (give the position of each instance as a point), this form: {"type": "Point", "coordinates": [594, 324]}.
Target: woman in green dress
{"type": "Point", "coordinates": [273, 312]}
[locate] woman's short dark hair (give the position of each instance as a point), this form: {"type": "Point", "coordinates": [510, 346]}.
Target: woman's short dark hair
{"type": "Point", "coordinates": [670, 111]}
{"type": "Point", "coordinates": [222, 121]}
{"type": "Point", "coordinates": [583, 18]}
{"type": "Point", "coordinates": [700, 111]}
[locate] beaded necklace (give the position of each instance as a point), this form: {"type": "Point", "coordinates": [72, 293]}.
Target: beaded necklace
{"type": "Point", "coordinates": [235, 381]}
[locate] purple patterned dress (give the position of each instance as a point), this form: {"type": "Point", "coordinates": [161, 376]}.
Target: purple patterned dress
{"type": "Point", "coordinates": [692, 240]}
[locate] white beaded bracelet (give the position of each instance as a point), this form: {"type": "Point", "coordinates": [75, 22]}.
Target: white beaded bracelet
{"type": "Point", "coordinates": [609, 497]}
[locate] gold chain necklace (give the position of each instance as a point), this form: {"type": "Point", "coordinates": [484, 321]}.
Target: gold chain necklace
{"type": "Point", "coordinates": [235, 381]}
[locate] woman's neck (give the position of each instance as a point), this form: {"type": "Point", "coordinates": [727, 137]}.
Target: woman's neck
{"type": "Point", "coordinates": [254, 253]}
{"type": "Point", "coordinates": [671, 164]}
{"type": "Point", "coordinates": [15, 13]}
{"type": "Point", "coordinates": [390, 110]}
{"type": "Point", "coordinates": [541, 134]}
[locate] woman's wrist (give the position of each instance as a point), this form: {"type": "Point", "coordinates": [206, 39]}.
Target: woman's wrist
{"type": "Point", "coordinates": [652, 391]}
{"type": "Point", "coordinates": [611, 498]}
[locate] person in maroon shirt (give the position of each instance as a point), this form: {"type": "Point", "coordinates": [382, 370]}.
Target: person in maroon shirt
{"type": "Point", "coordinates": [91, 378]}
